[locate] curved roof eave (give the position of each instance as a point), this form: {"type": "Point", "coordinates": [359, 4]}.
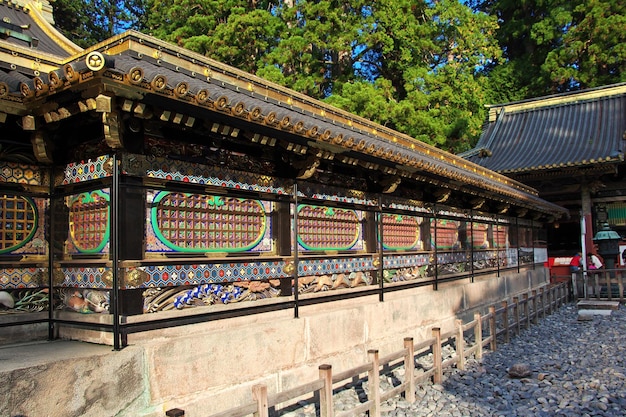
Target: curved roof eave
{"type": "Point", "coordinates": [583, 129]}
{"type": "Point", "coordinates": [138, 65]}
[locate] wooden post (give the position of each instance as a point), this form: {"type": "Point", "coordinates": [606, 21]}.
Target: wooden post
{"type": "Point", "coordinates": [542, 300]}
{"type": "Point", "coordinates": [493, 331]}
{"type": "Point", "coordinates": [478, 335]}
{"type": "Point", "coordinates": [549, 295]}
{"type": "Point", "coordinates": [374, 383]}
{"type": "Point", "coordinates": [557, 298]}
{"type": "Point", "coordinates": [326, 393]}
{"type": "Point", "coordinates": [259, 393]}
{"type": "Point", "coordinates": [460, 345]}
{"type": "Point", "coordinates": [505, 319]}
{"type": "Point", "coordinates": [527, 310]}
{"type": "Point", "coordinates": [535, 311]}
{"type": "Point", "coordinates": [620, 286]}
{"type": "Point", "coordinates": [437, 357]}
{"type": "Point", "coordinates": [409, 369]}
{"type": "Point", "coordinates": [516, 315]}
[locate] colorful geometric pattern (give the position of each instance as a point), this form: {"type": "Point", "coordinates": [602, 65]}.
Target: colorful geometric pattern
{"type": "Point", "coordinates": [512, 257]}
{"type": "Point", "coordinates": [402, 205]}
{"type": "Point", "coordinates": [203, 273]}
{"type": "Point", "coordinates": [85, 277]}
{"type": "Point", "coordinates": [186, 172]}
{"type": "Point", "coordinates": [23, 174]}
{"type": "Point", "coordinates": [75, 172]}
{"type": "Point", "coordinates": [405, 261]}
{"type": "Point", "coordinates": [320, 192]}
{"type": "Point", "coordinates": [33, 277]}
{"type": "Point", "coordinates": [448, 212]}
{"type": "Point", "coordinates": [334, 266]}
{"type": "Point", "coordinates": [484, 255]}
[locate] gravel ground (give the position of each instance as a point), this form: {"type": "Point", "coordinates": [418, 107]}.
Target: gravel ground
{"type": "Point", "coordinates": [577, 368]}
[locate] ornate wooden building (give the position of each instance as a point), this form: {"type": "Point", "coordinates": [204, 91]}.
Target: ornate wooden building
{"type": "Point", "coordinates": [570, 147]}
{"type": "Point", "coordinates": [139, 177]}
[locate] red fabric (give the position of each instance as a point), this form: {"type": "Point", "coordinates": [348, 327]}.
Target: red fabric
{"type": "Point", "coordinates": [575, 261]}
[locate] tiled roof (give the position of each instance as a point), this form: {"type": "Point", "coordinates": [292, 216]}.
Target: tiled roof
{"type": "Point", "coordinates": [23, 24]}
{"type": "Point", "coordinates": [145, 70]}
{"type": "Point", "coordinates": [581, 129]}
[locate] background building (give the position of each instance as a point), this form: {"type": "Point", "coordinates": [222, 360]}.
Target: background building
{"type": "Point", "coordinates": [570, 147]}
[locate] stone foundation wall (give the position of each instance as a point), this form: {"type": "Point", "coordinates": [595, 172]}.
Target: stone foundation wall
{"type": "Point", "coordinates": [209, 367]}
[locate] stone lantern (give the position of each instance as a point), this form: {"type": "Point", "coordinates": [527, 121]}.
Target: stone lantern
{"type": "Point", "coordinates": [608, 245]}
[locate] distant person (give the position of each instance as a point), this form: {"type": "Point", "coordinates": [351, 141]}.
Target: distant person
{"type": "Point", "coordinates": [576, 263]}
{"type": "Point", "coordinates": [593, 262]}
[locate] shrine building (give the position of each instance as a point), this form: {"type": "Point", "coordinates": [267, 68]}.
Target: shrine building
{"type": "Point", "coordinates": [154, 199]}
{"type": "Point", "coordinates": [569, 147]}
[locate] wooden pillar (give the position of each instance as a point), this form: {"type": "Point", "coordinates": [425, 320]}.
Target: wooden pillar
{"type": "Point", "coordinates": [535, 311]}
{"type": "Point", "coordinates": [505, 319]}
{"type": "Point", "coordinates": [516, 315]}
{"type": "Point", "coordinates": [259, 392]}
{"type": "Point", "coordinates": [493, 331]}
{"type": "Point", "coordinates": [478, 335]}
{"type": "Point", "coordinates": [460, 345]}
{"type": "Point", "coordinates": [527, 310]}
{"type": "Point", "coordinates": [437, 356]}
{"type": "Point", "coordinates": [374, 383]}
{"type": "Point", "coordinates": [326, 393]}
{"type": "Point", "coordinates": [409, 369]}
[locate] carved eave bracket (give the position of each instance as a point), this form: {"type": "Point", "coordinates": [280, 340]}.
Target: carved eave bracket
{"type": "Point", "coordinates": [112, 129]}
{"type": "Point", "coordinates": [42, 147]}
{"type": "Point", "coordinates": [111, 121]}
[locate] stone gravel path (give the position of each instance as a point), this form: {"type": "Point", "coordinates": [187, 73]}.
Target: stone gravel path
{"type": "Point", "coordinates": [578, 370]}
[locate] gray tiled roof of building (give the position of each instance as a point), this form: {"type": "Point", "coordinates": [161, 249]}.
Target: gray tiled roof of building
{"type": "Point", "coordinates": [23, 24]}
{"type": "Point", "coordinates": [571, 130]}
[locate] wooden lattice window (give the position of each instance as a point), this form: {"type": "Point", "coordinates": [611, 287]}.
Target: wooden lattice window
{"type": "Point", "coordinates": [89, 221]}
{"type": "Point", "coordinates": [447, 233]}
{"type": "Point", "coordinates": [18, 221]}
{"type": "Point", "coordinates": [401, 232]}
{"type": "Point", "coordinates": [200, 223]}
{"type": "Point", "coordinates": [479, 235]}
{"type": "Point", "coordinates": [327, 228]}
{"type": "Point", "coordinates": [500, 236]}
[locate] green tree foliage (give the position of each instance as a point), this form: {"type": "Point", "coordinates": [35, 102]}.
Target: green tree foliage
{"type": "Point", "coordinates": [87, 22]}
{"type": "Point", "coordinates": [423, 67]}
{"type": "Point", "coordinates": [426, 59]}
{"type": "Point", "coordinates": [239, 33]}
{"type": "Point", "coordinates": [410, 65]}
{"type": "Point", "coordinates": [552, 46]}
{"type": "Point", "coordinates": [592, 51]}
